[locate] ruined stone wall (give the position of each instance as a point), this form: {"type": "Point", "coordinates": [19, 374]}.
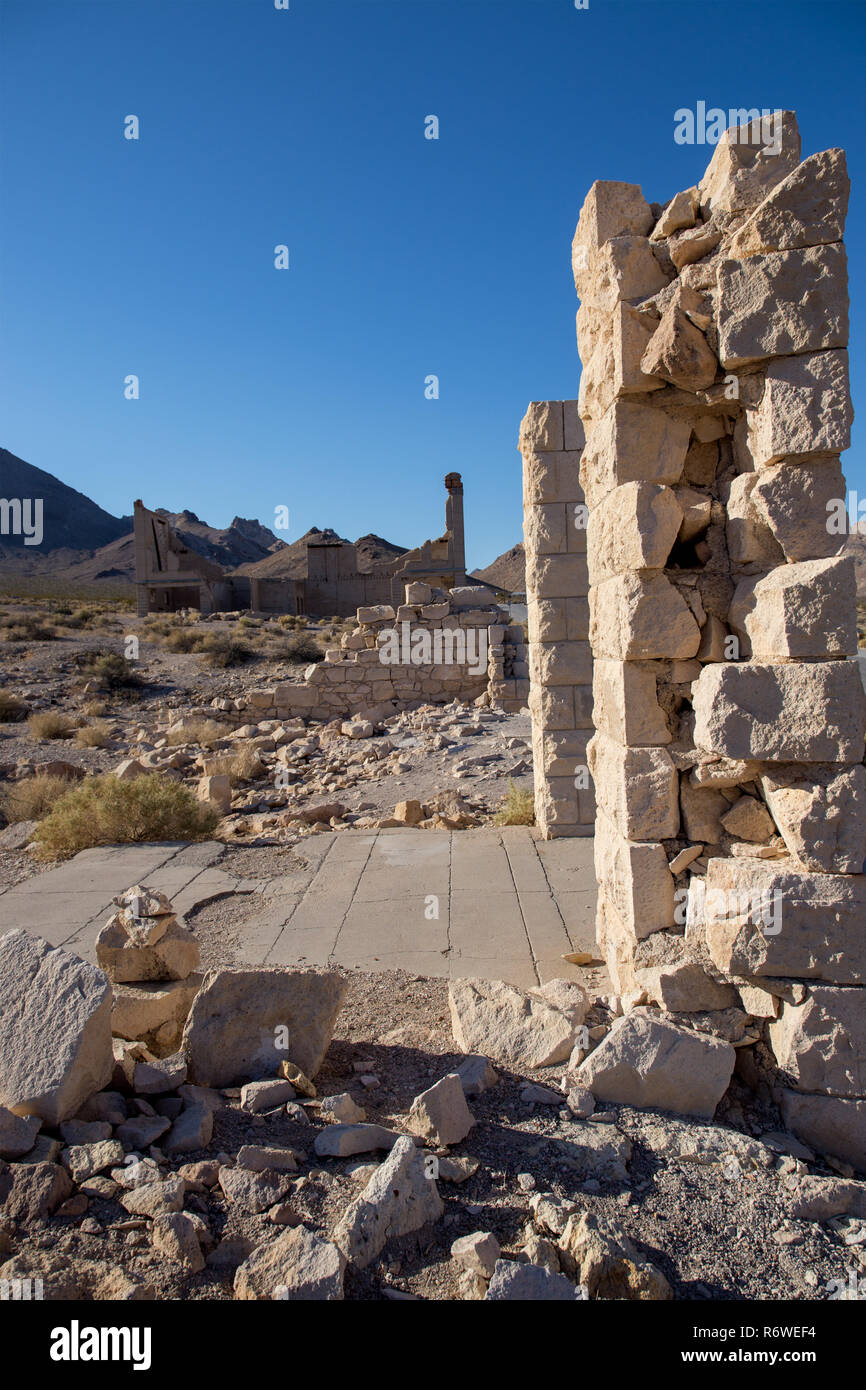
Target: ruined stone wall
{"type": "Point", "coordinates": [433, 648]}
{"type": "Point", "coordinates": [728, 752]}
{"type": "Point", "coordinates": [560, 658]}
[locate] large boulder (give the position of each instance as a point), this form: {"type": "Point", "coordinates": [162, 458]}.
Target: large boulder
{"type": "Point", "coordinates": [55, 1029]}
{"type": "Point", "coordinates": [649, 1063]}
{"type": "Point", "coordinates": [244, 1023]}
{"type": "Point", "coordinates": [514, 1027]}
{"type": "Point", "coordinates": [298, 1265]}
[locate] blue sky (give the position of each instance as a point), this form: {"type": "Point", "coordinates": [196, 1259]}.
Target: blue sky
{"type": "Point", "coordinates": [408, 257]}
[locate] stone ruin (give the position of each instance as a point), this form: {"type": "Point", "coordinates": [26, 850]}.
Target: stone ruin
{"type": "Point", "coordinates": [727, 758]}
{"type": "Point", "coordinates": [436, 647]}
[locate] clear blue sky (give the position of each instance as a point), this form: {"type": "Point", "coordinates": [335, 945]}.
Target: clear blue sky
{"type": "Point", "coordinates": [305, 388]}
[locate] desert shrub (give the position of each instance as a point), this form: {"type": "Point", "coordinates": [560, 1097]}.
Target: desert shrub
{"type": "Point", "coordinates": [518, 807]}
{"type": "Point", "coordinates": [221, 651]}
{"type": "Point", "coordinates": [302, 649]}
{"type": "Point", "coordinates": [183, 639]}
{"type": "Point", "coordinates": [94, 709]}
{"type": "Point", "coordinates": [31, 798]}
{"type": "Point", "coordinates": [204, 732]}
{"type": "Point", "coordinates": [110, 669]}
{"type": "Point", "coordinates": [11, 707]}
{"type": "Point", "coordinates": [93, 735]}
{"type": "Point", "coordinates": [50, 724]}
{"type": "Point", "coordinates": [105, 811]}
{"type": "Point", "coordinates": [28, 627]}
{"type": "Point", "coordinates": [243, 766]}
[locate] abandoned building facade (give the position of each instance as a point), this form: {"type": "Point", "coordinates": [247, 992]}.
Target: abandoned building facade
{"type": "Point", "coordinates": [170, 576]}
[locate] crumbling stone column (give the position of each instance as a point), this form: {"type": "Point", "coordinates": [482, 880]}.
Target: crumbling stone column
{"type": "Point", "coordinates": [560, 660]}
{"type": "Point", "coordinates": [728, 753]}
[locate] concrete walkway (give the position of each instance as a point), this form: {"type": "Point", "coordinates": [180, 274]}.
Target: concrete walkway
{"type": "Point", "coordinates": [495, 903]}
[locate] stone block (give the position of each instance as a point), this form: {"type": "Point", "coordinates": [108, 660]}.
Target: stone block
{"type": "Point", "coordinates": [635, 878]}
{"type": "Point", "coordinates": [632, 443]}
{"type": "Point", "coordinates": [638, 788]}
{"type": "Point", "coordinates": [647, 1062]}
{"type": "Point", "coordinates": [544, 529]}
{"type": "Point", "coordinates": [614, 369]}
{"type": "Point", "coordinates": [610, 209]}
{"type": "Point", "coordinates": [750, 159]}
{"type": "Point", "coordinates": [820, 810]}
{"type": "Point", "coordinates": [805, 611]}
{"type": "Point", "coordinates": [625, 705]}
{"type": "Point", "coordinates": [550, 478]}
{"type": "Point", "coordinates": [783, 303]}
{"type": "Point", "coordinates": [804, 712]}
{"type": "Point", "coordinates": [828, 1124]}
{"type": "Point", "coordinates": [764, 918]}
{"type": "Point", "coordinates": [795, 502]}
{"type": "Point", "coordinates": [541, 428]}
{"type": "Point", "coordinates": [632, 528]}
{"type": "Point", "coordinates": [808, 208]}
{"type": "Point", "coordinates": [820, 1045]}
{"type": "Point", "coordinates": [805, 409]}
{"type": "Point", "coordinates": [556, 576]}
{"type": "Point", "coordinates": [561, 663]}
{"type": "Point", "coordinates": [640, 617]}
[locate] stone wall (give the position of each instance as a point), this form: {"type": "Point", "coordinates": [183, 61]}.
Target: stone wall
{"type": "Point", "coordinates": [560, 658]}
{"type": "Point", "coordinates": [432, 649]}
{"type": "Point", "coordinates": [728, 753]}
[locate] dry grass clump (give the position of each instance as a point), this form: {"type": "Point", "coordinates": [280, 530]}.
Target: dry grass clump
{"type": "Point", "coordinates": [31, 798]}
{"type": "Point", "coordinates": [301, 650]}
{"type": "Point", "coordinates": [27, 627]}
{"type": "Point", "coordinates": [95, 735]}
{"type": "Point", "coordinates": [105, 811]}
{"type": "Point", "coordinates": [204, 732]}
{"type": "Point", "coordinates": [94, 709]}
{"type": "Point", "coordinates": [50, 724]}
{"type": "Point", "coordinates": [518, 807]}
{"type": "Point", "coordinates": [221, 651]}
{"type": "Point", "coordinates": [110, 669]}
{"type": "Point", "coordinates": [12, 708]}
{"type": "Point", "coordinates": [243, 766]}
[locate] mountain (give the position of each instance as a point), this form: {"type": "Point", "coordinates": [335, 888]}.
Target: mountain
{"type": "Point", "coordinates": [290, 561]}
{"type": "Point", "coordinates": [507, 571]}
{"type": "Point", "coordinates": [70, 521]}
{"type": "Point", "coordinates": [855, 545]}
{"type": "Point", "coordinates": [242, 543]}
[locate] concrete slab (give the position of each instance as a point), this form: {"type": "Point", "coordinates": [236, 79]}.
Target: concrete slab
{"type": "Point", "coordinates": [509, 905]}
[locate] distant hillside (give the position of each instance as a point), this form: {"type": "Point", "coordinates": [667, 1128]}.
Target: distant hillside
{"type": "Point", "coordinates": [855, 545]}
{"type": "Point", "coordinates": [508, 571]}
{"type": "Point", "coordinates": [290, 562]}
{"type": "Point", "coordinates": [70, 521]}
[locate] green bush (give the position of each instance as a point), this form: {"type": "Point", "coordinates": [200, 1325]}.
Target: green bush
{"type": "Point", "coordinates": [105, 811]}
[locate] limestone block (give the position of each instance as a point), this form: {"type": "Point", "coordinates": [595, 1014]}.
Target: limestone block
{"type": "Point", "coordinates": [632, 443]}
{"type": "Point", "coordinates": [808, 208]}
{"type": "Point", "coordinates": [714, 638]}
{"type": "Point", "coordinates": [561, 754]}
{"type": "Point", "coordinates": [550, 478]}
{"type": "Point", "coordinates": [561, 663]}
{"type": "Point", "coordinates": [748, 161]}
{"type": "Point", "coordinates": [544, 529]}
{"type": "Point", "coordinates": [515, 1027]}
{"type": "Point", "coordinates": [702, 810]}
{"type": "Point", "coordinates": [541, 428]}
{"type": "Point", "coordinates": [556, 802]}
{"type": "Point", "coordinates": [639, 617]}
{"type": "Point", "coordinates": [610, 209]}
{"type": "Point", "coordinates": [763, 919]}
{"type": "Point", "coordinates": [785, 302]}
{"type": "Point", "coordinates": [806, 610]}
{"type": "Point", "coordinates": [749, 820]}
{"type": "Point", "coordinates": [547, 619]}
{"type": "Point", "coordinates": [820, 1045]}
{"type": "Point", "coordinates": [829, 1124]}
{"type": "Point", "coordinates": [614, 368]}
{"type": "Point", "coordinates": [556, 576]}
{"type": "Point", "coordinates": [648, 1062]}
{"type": "Point", "coordinates": [232, 1032]}
{"type": "Point", "coordinates": [400, 1197]}
{"type": "Point", "coordinates": [216, 791]}
{"type": "Point", "coordinates": [806, 712]}
{"type": "Point", "coordinates": [685, 987]}
{"type": "Point", "coordinates": [635, 878]}
{"type": "Point", "coordinates": [625, 705]}
{"type": "Point", "coordinates": [624, 268]}
{"type": "Point", "coordinates": [679, 352]}
{"type": "Point", "coordinates": [679, 213]}
{"type": "Point", "coordinates": [139, 1010]}
{"type": "Point", "coordinates": [795, 501]}
{"type": "Point", "coordinates": [552, 708]}
{"type": "Point", "coordinates": [748, 534]}
{"type": "Point", "coordinates": [440, 1114]}
{"type": "Point", "coordinates": [55, 1029]}
{"type": "Point", "coordinates": [633, 528]}
{"type": "Point", "coordinates": [375, 613]}
{"type": "Point", "coordinates": [696, 508]}
{"type": "Point", "coordinates": [572, 426]}
{"type": "Point", "coordinates": [637, 787]}
{"type": "Point", "coordinates": [174, 956]}
{"type": "Point", "coordinates": [685, 248]}
{"type": "Point", "coordinates": [821, 814]}
{"type": "Point", "coordinates": [805, 409]}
